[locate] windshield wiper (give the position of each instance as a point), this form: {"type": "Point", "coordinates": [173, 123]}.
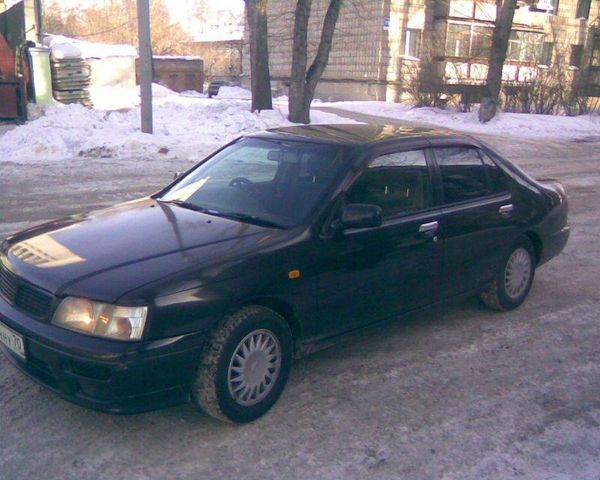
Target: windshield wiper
{"type": "Point", "coordinates": [248, 218]}
{"type": "Point", "coordinates": [232, 215]}
{"type": "Point", "coordinates": [188, 205]}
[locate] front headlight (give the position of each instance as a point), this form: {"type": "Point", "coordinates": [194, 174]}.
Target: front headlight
{"type": "Point", "coordinates": [101, 319]}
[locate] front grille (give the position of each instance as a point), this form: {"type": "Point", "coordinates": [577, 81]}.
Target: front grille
{"type": "Point", "coordinates": [33, 301]}
{"type": "Point", "coordinates": [23, 296]}
{"type": "Point", "coordinates": [8, 285]}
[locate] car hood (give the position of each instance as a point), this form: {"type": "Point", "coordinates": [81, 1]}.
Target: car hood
{"type": "Point", "coordinates": [59, 254]}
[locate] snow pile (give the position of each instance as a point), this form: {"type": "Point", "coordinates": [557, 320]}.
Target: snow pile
{"type": "Point", "coordinates": [65, 47]}
{"type": "Point", "coordinates": [184, 127]}
{"type": "Point", "coordinates": [514, 124]}
{"type": "Point", "coordinates": [234, 92]}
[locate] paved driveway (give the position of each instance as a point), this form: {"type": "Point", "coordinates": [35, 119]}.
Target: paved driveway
{"type": "Point", "coordinates": [459, 393]}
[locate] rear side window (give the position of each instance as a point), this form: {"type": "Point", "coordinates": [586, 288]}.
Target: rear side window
{"type": "Point", "coordinates": [499, 180]}
{"type": "Point", "coordinates": [399, 183]}
{"type": "Point", "coordinates": [464, 175]}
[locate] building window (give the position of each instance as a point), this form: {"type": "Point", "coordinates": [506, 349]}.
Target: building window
{"type": "Point", "coordinates": [458, 41]}
{"type": "Point", "coordinates": [576, 55]}
{"type": "Point", "coordinates": [412, 43]}
{"type": "Point", "coordinates": [583, 9]}
{"type": "Point", "coordinates": [525, 47]}
{"type": "Point", "coordinates": [481, 42]}
{"type": "Point", "coordinates": [596, 53]}
{"type": "Point", "coordinates": [549, 6]}
{"type": "Point", "coordinates": [547, 50]}
{"type": "Point", "coordinates": [464, 40]}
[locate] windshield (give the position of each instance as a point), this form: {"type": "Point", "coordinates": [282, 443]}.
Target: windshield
{"type": "Point", "coordinates": [261, 181]}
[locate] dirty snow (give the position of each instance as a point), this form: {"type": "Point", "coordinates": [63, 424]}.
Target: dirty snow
{"type": "Point", "coordinates": [185, 127]}
{"type": "Point", "coordinates": [513, 124]}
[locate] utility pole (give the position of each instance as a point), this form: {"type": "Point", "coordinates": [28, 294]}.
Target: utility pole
{"type": "Point", "coordinates": [145, 50]}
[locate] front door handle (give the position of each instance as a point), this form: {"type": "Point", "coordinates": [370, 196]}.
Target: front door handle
{"type": "Point", "coordinates": [506, 210]}
{"type": "Point", "coordinates": [429, 229]}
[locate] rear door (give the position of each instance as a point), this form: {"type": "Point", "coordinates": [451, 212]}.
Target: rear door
{"type": "Point", "coordinates": [369, 274]}
{"type": "Point", "coordinates": [478, 219]}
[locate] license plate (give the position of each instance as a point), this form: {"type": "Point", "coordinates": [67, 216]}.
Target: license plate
{"type": "Point", "coordinates": [12, 340]}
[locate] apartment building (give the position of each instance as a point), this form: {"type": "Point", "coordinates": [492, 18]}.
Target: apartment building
{"type": "Point", "coordinates": [381, 46]}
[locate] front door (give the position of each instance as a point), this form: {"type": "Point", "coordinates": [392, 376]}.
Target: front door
{"type": "Point", "coordinates": [368, 274]}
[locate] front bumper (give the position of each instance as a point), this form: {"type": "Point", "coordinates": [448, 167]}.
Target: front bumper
{"type": "Point", "coordinates": [114, 377]}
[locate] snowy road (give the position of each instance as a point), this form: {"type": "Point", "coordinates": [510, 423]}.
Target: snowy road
{"type": "Point", "coordinates": [456, 394]}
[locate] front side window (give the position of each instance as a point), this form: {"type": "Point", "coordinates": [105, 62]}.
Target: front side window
{"type": "Point", "coordinates": [399, 183]}
{"type": "Point", "coordinates": [464, 176]}
{"type": "Point", "coordinates": [261, 181]}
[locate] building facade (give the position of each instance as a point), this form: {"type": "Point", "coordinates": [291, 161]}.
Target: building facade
{"type": "Point", "coordinates": [383, 48]}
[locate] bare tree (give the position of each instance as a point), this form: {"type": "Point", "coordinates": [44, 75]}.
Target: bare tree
{"type": "Point", "coordinates": [302, 82]}
{"type": "Point", "coordinates": [260, 76]}
{"type": "Point", "coordinates": [115, 21]}
{"type": "Point", "coordinates": [504, 20]}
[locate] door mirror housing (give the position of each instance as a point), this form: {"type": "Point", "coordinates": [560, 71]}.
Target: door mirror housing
{"type": "Point", "coordinates": [359, 215]}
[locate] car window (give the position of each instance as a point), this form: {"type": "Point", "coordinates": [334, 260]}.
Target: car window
{"type": "Point", "coordinates": [252, 163]}
{"type": "Point", "coordinates": [399, 183]}
{"type": "Point", "coordinates": [499, 179]}
{"type": "Point", "coordinates": [464, 176]}
{"type": "Point", "coordinates": [272, 181]}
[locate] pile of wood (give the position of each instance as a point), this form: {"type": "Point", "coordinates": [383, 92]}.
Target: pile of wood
{"type": "Point", "coordinates": [71, 80]}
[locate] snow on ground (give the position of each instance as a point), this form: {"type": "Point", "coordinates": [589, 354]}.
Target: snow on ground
{"type": "Point", "coordinates": [185, 126]}
{"type": "Point", "coordinates": [234, 92]}
{"type": "Point", "coordinates": [513, 124]}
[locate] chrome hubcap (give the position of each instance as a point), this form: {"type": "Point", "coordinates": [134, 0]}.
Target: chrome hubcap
{"type": "Point", "coordinates": [254, 367]}
{"type": "Point", "coordinates": [517, 273]}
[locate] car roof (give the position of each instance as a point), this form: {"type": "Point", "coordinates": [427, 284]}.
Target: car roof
{"type": "Point", "coordinates": [363, 134]}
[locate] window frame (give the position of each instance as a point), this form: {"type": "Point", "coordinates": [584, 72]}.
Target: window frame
{"type": "Point", "coordinates": [440, 182]}
{"type": "Point", "coordinates": [526, 50]}
{"type": "Point", "coordinates": [475, 28]}
{"type": "Point", "coordinates": [373, 156]}
{"type": "Point", "coordinates": [595, 56]}
{"type": "Point", "coordinates": [576, 56]}
{"type": "Point", "coordinates": [547, 54]}
{"type": "Point", "coordinates": [583, 9]}
{"type": "Point", "coordinates": [411, 34]}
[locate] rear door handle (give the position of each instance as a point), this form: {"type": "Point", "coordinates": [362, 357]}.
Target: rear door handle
{"type": "Point", "coordinates": [429, 229]}
{"type": "Point", "coordinates": [506, 209]}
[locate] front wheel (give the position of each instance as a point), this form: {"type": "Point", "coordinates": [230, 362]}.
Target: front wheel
{"type": "Point", "coordinates": [513, 279]}
{"type": "Point", "coordinates": [244, 366]}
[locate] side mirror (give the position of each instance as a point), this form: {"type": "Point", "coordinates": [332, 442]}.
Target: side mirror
{"type": "Point", "coordinates": [358, 215]}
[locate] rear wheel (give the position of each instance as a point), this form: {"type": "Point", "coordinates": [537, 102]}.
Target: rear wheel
{"type": "Point", "coordinates": [513, 279]}
{"type": "Point", "coordinates": [244, 366]}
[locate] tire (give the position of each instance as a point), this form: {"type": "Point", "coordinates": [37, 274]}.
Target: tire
{"type": "Point", "coordinates": [236, 392]}
{"type": "Point", "coordinates": [503, 295]}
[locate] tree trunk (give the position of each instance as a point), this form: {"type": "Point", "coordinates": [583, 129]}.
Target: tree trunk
{"type": "Point", "coordinates": [260, 77]}
{"type": "Point", "coordinates": [504, 21]}
{"type": "Point", "coordinates": [302, 82]}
